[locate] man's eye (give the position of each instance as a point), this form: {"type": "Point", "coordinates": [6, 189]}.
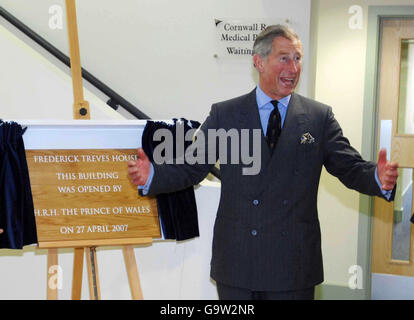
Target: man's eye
{"type": "Point", "coordinates": [283, 59]}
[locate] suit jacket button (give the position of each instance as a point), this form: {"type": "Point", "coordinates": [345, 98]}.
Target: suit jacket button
{"type": "Point", "coordinates": [255, 202]}
{"type": "Point", "coordinates": [254, 232]}
{"type": "Point", "coordinates": [285, 202]}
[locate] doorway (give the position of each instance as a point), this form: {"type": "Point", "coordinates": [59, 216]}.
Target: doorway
{"type": "Point", "coordinates": [392, 237]}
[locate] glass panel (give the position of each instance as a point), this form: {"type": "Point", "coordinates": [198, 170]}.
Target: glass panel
{"type": "Point", "coordinates": [401, 234]}
{"type": "Point", "coordinates": [406, 101]}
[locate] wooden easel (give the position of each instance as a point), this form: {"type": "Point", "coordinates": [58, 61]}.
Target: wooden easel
{"type": "Point", "coordinates": [81, 111]}
{"type": "Point", "coordinates": [89, 247]}
{"type": "Point", "coordinates": [80, 106]}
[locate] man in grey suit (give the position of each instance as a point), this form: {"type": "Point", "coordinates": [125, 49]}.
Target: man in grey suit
{"type": "Point", "coordinates": [267, 240]}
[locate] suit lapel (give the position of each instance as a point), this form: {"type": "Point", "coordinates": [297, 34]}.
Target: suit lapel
{"type": "Point", "coordinates": [283, 157]}
{"type": "Point", "coordinates": [296, 118]}
{"type": "Point", "coordinates": [250, 119]}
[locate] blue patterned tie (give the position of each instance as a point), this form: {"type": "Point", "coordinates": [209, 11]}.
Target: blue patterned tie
{"type": "Point", "coordinates": [274, 127]}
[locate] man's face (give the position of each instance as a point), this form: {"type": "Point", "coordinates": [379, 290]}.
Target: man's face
{"type": "Point", "coordinates": [279, 73]}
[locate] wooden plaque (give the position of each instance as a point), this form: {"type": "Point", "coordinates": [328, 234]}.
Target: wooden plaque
{"type": "Point", "coordinates": [86, 196]}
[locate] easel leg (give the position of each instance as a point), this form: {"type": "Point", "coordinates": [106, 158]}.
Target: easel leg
{"type": "Point", "coordinates": [77, 274]}
{"type": "Point", "coordinates": [52, 260]}
{"type": "Point", "coordinates": [132, 271]}
{"type": "Point", "coordinates": [94, 287]}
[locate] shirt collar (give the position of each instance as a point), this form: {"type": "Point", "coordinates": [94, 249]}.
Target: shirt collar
{"type": "Point", "coordinates": [263, 99]}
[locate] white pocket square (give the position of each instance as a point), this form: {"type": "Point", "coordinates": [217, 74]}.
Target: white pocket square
{"type": "Point", "coordinates": [306, 138]}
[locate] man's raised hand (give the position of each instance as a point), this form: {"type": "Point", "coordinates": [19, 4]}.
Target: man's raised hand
{"type": "Point", "coordinates": [139, 170]}
{"type": "Point", "coordinates": [387, 171]}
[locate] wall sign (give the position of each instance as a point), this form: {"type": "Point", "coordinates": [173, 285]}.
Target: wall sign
{"type": "Point", "coordinates": [235, 37]}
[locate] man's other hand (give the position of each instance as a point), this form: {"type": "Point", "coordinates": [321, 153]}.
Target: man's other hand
{"type": "Point", "coordinates": [387, 171]}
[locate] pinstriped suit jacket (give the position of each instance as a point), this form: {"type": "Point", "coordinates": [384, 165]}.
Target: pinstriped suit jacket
{"type": "Point", "coordinates": [267, 234]}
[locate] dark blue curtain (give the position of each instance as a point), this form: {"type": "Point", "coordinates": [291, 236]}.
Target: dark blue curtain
{"type": "Point", "coordinates": [16, 203]}
{"type": "Point", "coordinates": [177, 210]}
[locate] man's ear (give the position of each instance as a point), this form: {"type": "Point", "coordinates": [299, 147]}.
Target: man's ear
{"type": "Point", "coordinates": [258, 62]}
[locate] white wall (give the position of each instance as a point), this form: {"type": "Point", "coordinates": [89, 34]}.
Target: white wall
{"type": "Point", "coordinates": [340, 72]}
{"type": "Point", "coordinates": [159, 54]}
{"type": "Point", "coordinates": [33, 88]}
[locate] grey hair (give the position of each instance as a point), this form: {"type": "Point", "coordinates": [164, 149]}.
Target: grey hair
{"type": "Point", "coordinates": [263, 44]}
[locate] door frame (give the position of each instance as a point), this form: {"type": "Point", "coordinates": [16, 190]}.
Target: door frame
{"type": "Point", "coordinates": [368, 148]}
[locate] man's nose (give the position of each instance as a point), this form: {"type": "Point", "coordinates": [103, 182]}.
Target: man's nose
{"type": "Point", "coordinates": [292, 65]}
